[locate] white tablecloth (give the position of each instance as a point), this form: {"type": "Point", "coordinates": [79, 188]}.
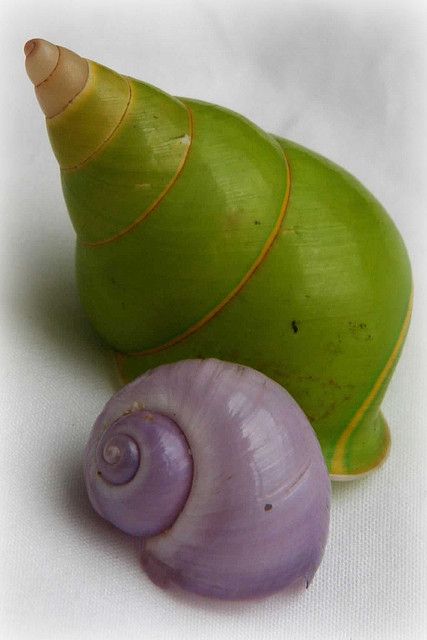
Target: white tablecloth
{"type": "Point", "coordinates": [346, 79]}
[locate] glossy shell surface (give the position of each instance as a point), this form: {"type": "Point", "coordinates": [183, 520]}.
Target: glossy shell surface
{"type": "Point", "coordinates": [257, 514]}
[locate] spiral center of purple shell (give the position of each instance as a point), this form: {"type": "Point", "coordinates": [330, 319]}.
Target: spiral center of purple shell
{"type": "Point", "coordinates": [112, 453]}
{"type": "Point", "coordinates": [120, 458]}
{"type": "Point", "coordinates": [140, 473]}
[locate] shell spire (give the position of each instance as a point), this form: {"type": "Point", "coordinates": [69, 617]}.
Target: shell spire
{"type": "Point", "coordinates": [82, 101]}
{"type": "Point", "coordinates": [119, 142]}
{"type": "Point", "coordinates": [58, 74]}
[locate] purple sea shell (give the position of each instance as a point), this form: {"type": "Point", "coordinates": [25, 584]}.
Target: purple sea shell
{"type": "Point", "coordinates": [217, 468]}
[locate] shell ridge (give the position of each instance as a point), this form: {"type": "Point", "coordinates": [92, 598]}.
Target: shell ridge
{"type": "Point", "coordinates": [36, 86]}
{"type": "Point", "coordinates": [101, 146]}
{"type": "Point", "coordinates": [234, 292]}
{"type": "Point", "coordinates": [338, 463]}
{"type": "Point", "coordinates": [154, 205]}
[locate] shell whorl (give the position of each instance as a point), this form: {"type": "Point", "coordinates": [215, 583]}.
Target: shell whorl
{"type": "Point", "coordinates": [138, 472]}
{"type": "Point", "coordinates": [256, 517]}
{"type": "Point", "coordinates": [119, 458]}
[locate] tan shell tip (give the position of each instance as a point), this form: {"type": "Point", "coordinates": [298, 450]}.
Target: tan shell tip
{"type": "Point", "coordinates": [29, 46]}
{"type": "Point", "coordinates": [57, 74]}
{"type": "Point", "coordinates": [41, 59]}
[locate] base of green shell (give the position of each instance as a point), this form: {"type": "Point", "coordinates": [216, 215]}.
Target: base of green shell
{"type": "Point", "coordinates": [378, 454]}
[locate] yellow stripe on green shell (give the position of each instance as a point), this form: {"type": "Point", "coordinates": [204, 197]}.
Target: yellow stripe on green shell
{"type": "Point", "coordinates": [368, 430]}
{"type": "Point", "coordinates": [125, 177]}
{"type": "Point", "coordinates": [172, 269]}
{"type": "Point", "coordinates": [91, 118]}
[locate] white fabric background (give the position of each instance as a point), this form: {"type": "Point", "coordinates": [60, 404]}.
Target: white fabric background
{"type": "Point", "coordinates": [346, 79]}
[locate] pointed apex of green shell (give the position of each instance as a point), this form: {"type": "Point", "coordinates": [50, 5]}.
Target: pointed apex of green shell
{"type": "Point", "coordinates": [58, 74]}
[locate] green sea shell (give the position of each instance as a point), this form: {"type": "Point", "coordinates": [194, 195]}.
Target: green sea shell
{"type": "Point", "coordinates": [199, 235]}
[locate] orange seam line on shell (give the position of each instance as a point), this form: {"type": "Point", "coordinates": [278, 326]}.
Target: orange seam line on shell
{"type": "Point", "coordinates": [119, 358]}
{"type": "Point", "coordinates": [203, 321]}
{"type": "Point", "coordinates": [368, 470]}
{"type": "Point", "coordinates": [107, 139]}
{"type": "Point", "coordinates": [337, 463]}
{"type": "Point", "coordinates": [56, 115]}
{"type": "Point", "coordinates": [158, 200]}
{"type": "Point", "coordinates": [53, 70]}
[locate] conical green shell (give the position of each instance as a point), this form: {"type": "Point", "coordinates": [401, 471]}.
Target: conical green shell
{"type": "Point", "coordinates": [247, 248]}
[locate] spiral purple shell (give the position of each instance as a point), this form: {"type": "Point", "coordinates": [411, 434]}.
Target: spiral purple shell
{"type": "Point", "coordinates": [219, 470]}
